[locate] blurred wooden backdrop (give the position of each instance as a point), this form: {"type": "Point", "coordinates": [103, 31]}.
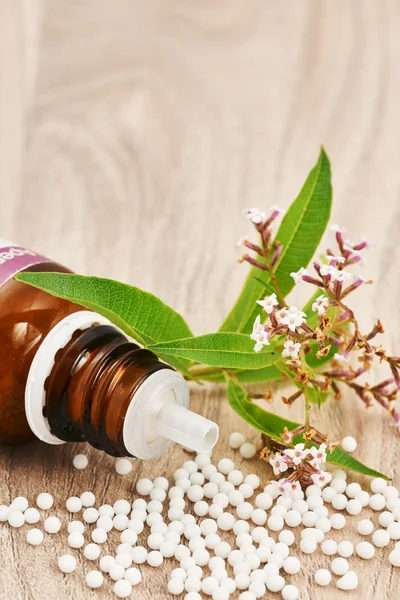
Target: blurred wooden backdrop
{"type": "Point", "coordinates": [132, 133]}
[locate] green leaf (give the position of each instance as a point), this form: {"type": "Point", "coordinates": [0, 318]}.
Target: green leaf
{"type": "Point", "coordinates": [224, 350]}
{"type": "Point", "coordinates": [139, 314]}
{"type": "Point", "coordinates": [263, 375]}
{"type": "Point", "coordinates": [272, 426]}
{"type": "Point", "coordinates": [300, 233]}
{"type": "Point", "coordinates": [317, 396]}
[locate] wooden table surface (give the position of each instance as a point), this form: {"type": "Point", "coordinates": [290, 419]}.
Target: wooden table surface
{"type": "Point", "coordinates": [131, 135]}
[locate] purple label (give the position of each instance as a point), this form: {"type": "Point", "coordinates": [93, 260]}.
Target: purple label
{"type": "Point", "coordinates": [14, 259]}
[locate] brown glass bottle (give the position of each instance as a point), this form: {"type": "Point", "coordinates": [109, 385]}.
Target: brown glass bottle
{"type": "Point", "coordinates": [26, 317]}
{"type": "Point", "coordinates": [69, 375]}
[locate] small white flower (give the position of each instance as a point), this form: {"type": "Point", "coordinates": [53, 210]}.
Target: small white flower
{"type": "Point", "coordinates": [268, 303]}
{"type": "Point", "coordinates": [255, 215]}
{"type": "Point", "coordinates": [278, 464]}
{"type": "Point", "coordinates": [341, 358]}
{"type": "Point", "coordinates": [319, 454]}
{"type": "Point", "coordinates": [298, 275]}
{"type": "Point", "coordinates": [291, 349]}
{"type": "Point", "coordinates": [298, 454]}
{"type": "Point", "coordinates": [294, 318]}
{"type": "Point", "coordinates": [337, 229]}
{"type": "Point", "coordinates": [321, 304]}
{"type": "Point", "coordinates": [259, 335]}
{"type": "Point", "coordinates": [281, 314]}
{"type": "Point", "coordinates": [334, 273]}
{"type": "Point", "coordinates": [321, 478]}
{"type": "Point", "coordinates": [242, 241]}
{"type": "Point", "coordinates": [338, 259]}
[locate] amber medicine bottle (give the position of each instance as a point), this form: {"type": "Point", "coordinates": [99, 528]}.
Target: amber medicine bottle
{"type": "Point", "coordinates": [69, 375]}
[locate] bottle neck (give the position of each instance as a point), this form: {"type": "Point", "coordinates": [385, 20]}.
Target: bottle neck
{"type": "Point", "coordinates": [88, 382]}
{"type": "Point", "coordinates": [93, 381]}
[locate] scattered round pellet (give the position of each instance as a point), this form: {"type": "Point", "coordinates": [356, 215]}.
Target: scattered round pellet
{"type": "Point", "coordinates": [32, 516]}
{"type": "Point", "coordinates": [353, 489]}
{"type": "Point", "coordinates": [394, 530]}
{"type": "Point", "coordinates": [44, 501]}
{"type": "Point", "coordinates": [92, 551]}
{"type": "Point", "coordinates": [144, 487]}
{"type": "Point", "coordinates": [328, 494]}
{"type": "Point", "coordinates": [116, 572]}
{"type": "Point", "coordinates": [176, 586]}
{"type": "Point", "coordinates": [106, 562]}
{"type": "Point", "coordinates": [105, 523]}
{"type": "Point", "coordinates": [52, 525]}
{"type": "Point", "coordinates": [133, 575]}
{"type": "Point", "coordinates": [88, 499]}
{"type": "Point", "coordinates": [348, 582]}
{"type": "Point", "coordinates": [122, 507]}
{"type": "Point", "coordinates": [291, 565]}
{"type": "Point", "coordinates": [310, 518]}
{"type": "Point", "coordinates": [124, 559]}
{"type": "Point", "coordinates": [259, 516]}
{"type": "Point", "coordinates": [67, 563]}
{"type": "Point", "coordinates": [120, 522]}
{"type": "Point", "coordinates": [257, 588]}
{"type": "Point", "coordinates": [192, 596]}
{"type": "Point", "coordinates": [322, 577]}
{"type": "Point", "coordinates": [338, 521]}
{"type": "Point", "coordinates": [364, 550]}
{"type": "Point", "coordinates": [354, 507]}
{"type": "Point", "coordinates": [349, 443]}
{"type": "Point", "coordinates": [308, 545]}
{"type": "Point", "coordinates": [329, 547]}
{"type": "Point", "coordinates": [244, 510]}
{"type": "Point", "coordinates": [365, 527]}
{"type": "Point", "coordinates": [385, 518]}
{"type": "Point", "coordinates": [99, 536]}
{"type": "Point", "coordinates": [381, 538]}
{"type": "Point", "coordinates": [247, 450]}
{"type": "Point", "coordinates": [275, 583]}
{"type": "Point", "coordinates": [363, 498]}
{"type": "Point", "coordinates": [20, 503]}
{"type": "Point", "coordinates": [80, 461]}
{"type": "Point", "coordinates": [377, 502]}
{"type": "Point", "coordinates": [286, 537]}
{"type": "Point", "coordinates": [394, 557]}
{"type": "Point", "coordinates": [154, 558]}
{"type": "Point", "coordinates": [345, 549]}
{"type": "Point", "coordinates": [340, 565]}
{"type": "Point", "coordinates": [76, 540]}
{"type": "Point", "coordinates": [94, 579]}
{"type": "Point", "coordinates": [122, 588]}
{"type": "Point", "coordinates": [339, 485]}
{"type": "Point", "coordinates": [293, 518]}
{"type": "Point", "coordinates": [290, 592]}
{"type": "Point", "coordinates": [139, 555]}
{"type": "Point", "coordinates": [225, 466]}
{"type": "Point", "coordinates": [4, 513]}
{"type": "Point", "coordinates": [339, 502]}
{"type": "Point", "coordinates": [73, 504]}
{"type": "Point", "coordinates": [222, 594]}
{"type": "Point", "coordinates": [90, 515]}
{"type": "Point", "coordinates": [123, 466]}
{"type": "Point", "coordinates": [34, 537]}
{"type": "Point", "coordinates": [275, 523]}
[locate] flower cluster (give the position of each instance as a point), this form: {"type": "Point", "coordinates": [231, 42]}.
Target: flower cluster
{"type": "Point", "coordinates": [301, 465]}
{"type": "Point", "coordinates": [330, 328]}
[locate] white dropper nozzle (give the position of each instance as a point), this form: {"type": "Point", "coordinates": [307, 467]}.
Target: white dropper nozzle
{"type": "Point", "coordinates": [187, 428]}
{"type": "Point", "coordinates": [159, 415]}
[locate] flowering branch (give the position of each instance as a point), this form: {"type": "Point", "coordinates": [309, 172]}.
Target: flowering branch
{"type": "Point", "coordinates": [335, 325]}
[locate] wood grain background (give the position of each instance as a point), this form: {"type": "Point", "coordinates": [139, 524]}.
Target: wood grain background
{"type": "Point", "coordinates": [132, 134]}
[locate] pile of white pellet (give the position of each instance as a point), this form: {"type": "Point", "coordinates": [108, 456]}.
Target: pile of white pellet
{"type": "Point", "coordinates": [227, 534]}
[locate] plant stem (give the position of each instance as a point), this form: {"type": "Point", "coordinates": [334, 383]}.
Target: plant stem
{"type": "Point", "coordinates": [200, 370]}
{"type": "Point", "coordinates": [275, 284]}
{"type": "Point", "coordinates": [307, 407]}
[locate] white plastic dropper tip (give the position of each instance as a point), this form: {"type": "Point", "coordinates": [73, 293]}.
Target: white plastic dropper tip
{"type": "Point", "coordinates": [187, 428]}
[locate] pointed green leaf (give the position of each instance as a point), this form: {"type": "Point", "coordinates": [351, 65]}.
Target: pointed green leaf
{"type": "Point", "coordinates": [224, 350]}
{"type": "Point", "coordinates": [263, 375]}
{"type": "Point", "coordinates": [300, 233]}
{"type": "Point", "coordinates": [139, 314]}
{"type": "Point", "coordinates": [272, 426]}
